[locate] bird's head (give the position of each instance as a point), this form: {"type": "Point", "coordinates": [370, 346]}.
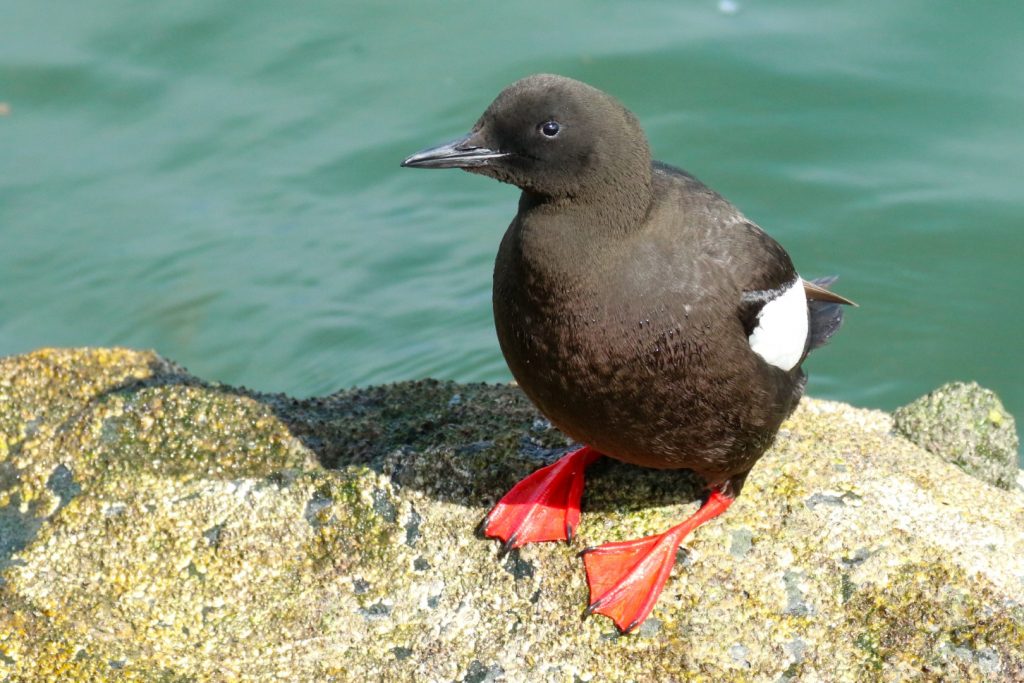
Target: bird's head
{"type": "Point", "coordinates": [551, 136]}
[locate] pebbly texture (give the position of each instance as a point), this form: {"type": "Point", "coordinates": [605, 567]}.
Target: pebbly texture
{"type": "Point", "coordinates": [966, 425]}
{"type": "Point", "coordinates": [155, 527]}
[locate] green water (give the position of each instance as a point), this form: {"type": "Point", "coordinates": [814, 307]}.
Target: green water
{"type": "Point", "coordinates": [220, 181]}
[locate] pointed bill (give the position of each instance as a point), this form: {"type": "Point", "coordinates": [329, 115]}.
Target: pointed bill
{"type": "Point", "coordinates": [461, 153]}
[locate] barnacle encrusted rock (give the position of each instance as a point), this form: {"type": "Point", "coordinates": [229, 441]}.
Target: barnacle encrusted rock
{"type": "Point", "coordinates": [966, 425]}
{"type": "Point", "coordinates": [155, 527]}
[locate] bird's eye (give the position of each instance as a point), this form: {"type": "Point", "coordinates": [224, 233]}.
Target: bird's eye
{"type": "Point", "coordinates": [550, 128]}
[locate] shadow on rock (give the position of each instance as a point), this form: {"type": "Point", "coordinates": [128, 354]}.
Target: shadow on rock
{"type": "Point", "coordinates": [461, 443]}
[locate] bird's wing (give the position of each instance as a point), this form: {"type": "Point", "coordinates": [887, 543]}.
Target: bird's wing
{"type": "Point", "coordinates": [761, 268]}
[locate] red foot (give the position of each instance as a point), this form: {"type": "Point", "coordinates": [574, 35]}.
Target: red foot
{"type": "Point", "coordinates": [544, 506]}
{"type": "Point", "coordinates": [626, 578]}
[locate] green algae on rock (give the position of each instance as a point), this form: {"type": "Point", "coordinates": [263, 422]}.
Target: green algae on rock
{"type": "Point", "coordinates": [154, 526]}
{"type": "Point", "coordinates": [966, 425]}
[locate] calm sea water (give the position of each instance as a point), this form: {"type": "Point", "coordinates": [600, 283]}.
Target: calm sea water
{"type": "Point", "coordinates": [219, 180]}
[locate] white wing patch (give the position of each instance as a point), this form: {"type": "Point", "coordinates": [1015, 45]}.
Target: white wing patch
{"type": "Point", "coordinates": [782, 324]}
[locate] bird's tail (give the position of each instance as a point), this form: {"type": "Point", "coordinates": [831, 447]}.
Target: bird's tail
{"type": "Point", "coordinates": [826, 313]}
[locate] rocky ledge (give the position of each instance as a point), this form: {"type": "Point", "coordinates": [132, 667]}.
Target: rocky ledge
{"type": "Point", "coordinates": [154, 526]}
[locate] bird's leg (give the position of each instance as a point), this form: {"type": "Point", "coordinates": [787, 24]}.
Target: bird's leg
{"type": "Point", "coordinates": [626, 578]}
{"type": "Point", "coordinates": [544, 506]}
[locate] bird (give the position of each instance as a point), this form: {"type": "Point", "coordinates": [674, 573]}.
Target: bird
{"type": "Point", "coordinates": [641, 312]}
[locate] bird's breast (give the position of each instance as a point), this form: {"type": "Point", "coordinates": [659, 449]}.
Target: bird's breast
{"type": "Point", "coordinates": [619, 356]}
{"type": "Point", "coordinates": [586, 349]}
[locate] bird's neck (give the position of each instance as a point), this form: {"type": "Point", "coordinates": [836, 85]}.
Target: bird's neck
{"type": "Point", "coordinates": [564, 243]}
{"type": "Point", "coordinates": [613, 209]}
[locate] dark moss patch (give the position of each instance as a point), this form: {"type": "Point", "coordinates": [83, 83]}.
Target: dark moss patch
{"type": "Point", "coordinates": [62, 483]}
{"type": "Point", "coordinates": [515, 565]}
{"type": "Point", "coordinates": [412, 528]}
{"type": "Point", "coordinates": [477, 672]}
{"type": "Point", "coordinates": [383, 506]}
{"type": "Point", "coordinates": [890, 624]}
{"type": "Point", "coordinates": [17, 530]}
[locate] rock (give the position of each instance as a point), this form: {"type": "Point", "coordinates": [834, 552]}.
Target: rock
{"type": "Point", "coordinates": [966, 425]}
{"type": "Point", "coordinates": [154, 526]}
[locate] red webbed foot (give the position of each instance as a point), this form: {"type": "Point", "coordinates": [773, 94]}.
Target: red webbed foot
{"type": "Point", "coordinates": [544, 506]}
{"type": "Point", "coordinates": [626, 578]}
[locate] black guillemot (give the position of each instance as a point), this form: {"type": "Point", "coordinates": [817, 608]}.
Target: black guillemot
{"type": "Point", "coordinates": [641, 312]}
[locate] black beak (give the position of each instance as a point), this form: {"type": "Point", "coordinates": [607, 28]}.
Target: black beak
{"type": "Point", "coordinates": [462, 153]}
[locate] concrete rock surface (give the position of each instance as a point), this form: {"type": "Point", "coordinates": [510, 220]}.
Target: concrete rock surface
{"type": "Point", "coordinates": [967, 425]}
{"type": "Point", "coordinates": [157, 527]}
